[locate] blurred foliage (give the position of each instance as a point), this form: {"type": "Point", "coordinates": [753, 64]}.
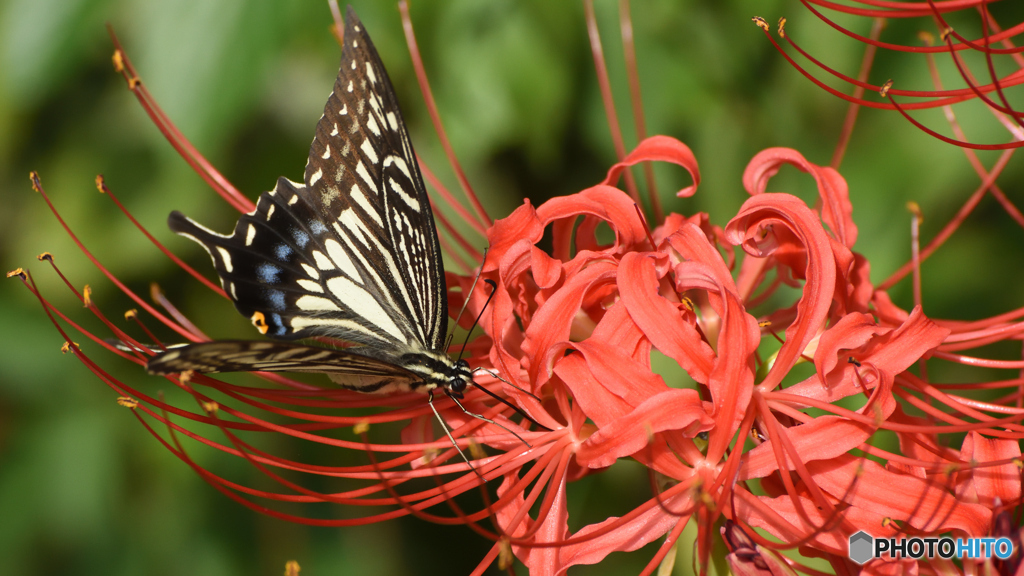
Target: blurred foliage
{"type": "Point", "coordinates": [85, 490]}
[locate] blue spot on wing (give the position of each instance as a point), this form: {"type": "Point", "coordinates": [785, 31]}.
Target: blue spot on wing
{"type": "Point", "coordinates": [278, 328]}
{"type": "Point", "coordinates": [276, 299]}
{"type": "Point", "coordinates": [267, 273]}
{"type": "Point", "coordinates": [301, 238]}
{"type": "Point", "coordinates": [283, 251]}
{"type": "Point", "coordinates": [317, 227]}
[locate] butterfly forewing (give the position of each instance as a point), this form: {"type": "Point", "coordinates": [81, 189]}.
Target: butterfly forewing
{"type": "Point", "coordinates": [363, 177]}
{"type": "Point", "coordinates": [352, 253]}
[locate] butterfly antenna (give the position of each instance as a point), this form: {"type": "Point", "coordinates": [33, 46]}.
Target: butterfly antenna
{"type": "Point", "coordinates": [494, 288]}
{"type": "Point", "coordinates": [488, 420]}
{"type": "Point", "coordinates": [448, 341]}
{"type": "Point", "coordinates": [447, 432]}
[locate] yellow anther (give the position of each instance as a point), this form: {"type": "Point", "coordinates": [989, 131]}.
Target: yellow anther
{"type": "Point", "coordinates": [118, 60]}
{"type": "Point", "coordinates": [782, 27]}
{"type": "Point", "coordinates": [761, 23]}
{"type": "Point", "coordinates": [45, 256]}
{"type": "Point", "coordinates": [362, 427]}
{"type": "Point", "coordinates": [915, 209]}
{"type": "Point", "coordinates": [210, 407]}
{"type": "Point", "coordinates": [17, 272]}
{"type": "Point", "coordinates": [505, 556]}
{"type": "Point", "coordinates": [131, 314]}
{"type": "Point", "coordinates": [428, 455]}
{"type": "Point", "coordinates": [884, 90]}
{"type": "Point", "coordinates": [127, 402]}
{"type": "Point", "coordinates": [291, 568]}
{"type": "Point", "coordinates": [87, 296]}
{"type": "Point", "coordinates": [476, 451]}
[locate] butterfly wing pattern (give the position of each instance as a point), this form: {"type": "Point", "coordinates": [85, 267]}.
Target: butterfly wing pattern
{"type": "Point", "coordinates": [351, 254]}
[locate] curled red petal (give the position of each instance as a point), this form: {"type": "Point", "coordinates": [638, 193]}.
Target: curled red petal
{"type": "Point", "coordinates": [613, 384]}
{"type": "Point", "coordinates": [588, 391]}
{"type": "Point", "coordinates": [691, 242]}
{"type": "Point", "coordinates": [852, 332]}
{"type": "Point", "coordinates": [617, 329]}
{"type": "Point", "coordinates": [521, 224]}
{"type": "Point", "coordinates": [837, 211]}
{"type": "Point", "coordinates": [731, 381]}
{"type": "Point", "coordinates": [889, 351]}
{"type": "Point", "coordinates": [552, 323]}
{"type": "Point", "coordinates": [664, 149]}
{"type": "Point", "coordinates": [660, 320]}
{"type": "Point", "coordinates": [769, 222]}
{"type": "Point", "coordinates": [602, 202]}
{"type": "Point", "coordinates": [547, 271]}
{"type": "Point", "coordinates": [820, 438]}
{"type": "Point", "coordinates": [924, 504]}
{"type": "Point", "coordinates": [868, 489]}
{"type": "Point", "coordinates": [672, 409]}
{"type": "Point", "coordinates": [990, 485]}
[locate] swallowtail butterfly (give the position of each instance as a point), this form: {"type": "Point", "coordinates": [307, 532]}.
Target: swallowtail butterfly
{"type": "Point", "coordinates": [351, 253]}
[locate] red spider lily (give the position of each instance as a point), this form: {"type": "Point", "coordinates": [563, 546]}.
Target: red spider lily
{"type": "Point", "coordinates": [753, 448]}
{"type": "Point", "coordinates": [581, 329]}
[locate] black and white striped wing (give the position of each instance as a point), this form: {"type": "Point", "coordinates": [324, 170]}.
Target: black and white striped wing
{"type": "Point", "coordinates": [352, 253]}
{"type": "Point", "coordinates": [352, 371]}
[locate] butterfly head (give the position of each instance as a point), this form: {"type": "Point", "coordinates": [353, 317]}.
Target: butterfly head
{"type": "Point", "coordinates": [459, 378]}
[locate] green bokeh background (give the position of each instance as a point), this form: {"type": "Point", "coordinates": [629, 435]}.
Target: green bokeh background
{"type": "Point", "coordinates": [85, 490]}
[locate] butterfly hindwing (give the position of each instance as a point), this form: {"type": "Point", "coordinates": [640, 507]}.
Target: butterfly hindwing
{"type": "Point", "coordinates": [353, 371]}
{"type": "Point", "coordinates": [352, 253]}
{"type": "Point", "coordinates": [288, 273]}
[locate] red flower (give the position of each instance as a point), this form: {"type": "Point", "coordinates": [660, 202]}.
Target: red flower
{"type": "Point", "coordinates": [751, 439]}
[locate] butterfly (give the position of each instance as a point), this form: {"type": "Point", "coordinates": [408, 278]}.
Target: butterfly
{"type": "Point", "coordinates": [351, 253]}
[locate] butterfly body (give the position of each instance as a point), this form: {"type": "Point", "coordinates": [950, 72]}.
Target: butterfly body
{"type": "Point", "coordinates": [350, 254]}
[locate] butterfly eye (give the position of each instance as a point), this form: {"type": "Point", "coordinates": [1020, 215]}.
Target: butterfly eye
{"type": "Point", "coordinates": [457, 382]}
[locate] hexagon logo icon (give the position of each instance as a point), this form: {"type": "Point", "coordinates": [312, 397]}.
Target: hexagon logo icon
{"type": "Point", "coordinates": [861, 544]}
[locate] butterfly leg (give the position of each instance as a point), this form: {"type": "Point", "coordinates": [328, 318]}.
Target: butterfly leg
{"type": "Point", "coordinates": [444, 426]}
{"type": "Point", "coordinates": [488, 420]}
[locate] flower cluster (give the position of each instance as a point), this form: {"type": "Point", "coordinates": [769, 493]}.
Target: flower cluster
{"type": "Point", "coordinates": [744, 439]}
{"type": "Point", "coordinates": [806, 412]}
